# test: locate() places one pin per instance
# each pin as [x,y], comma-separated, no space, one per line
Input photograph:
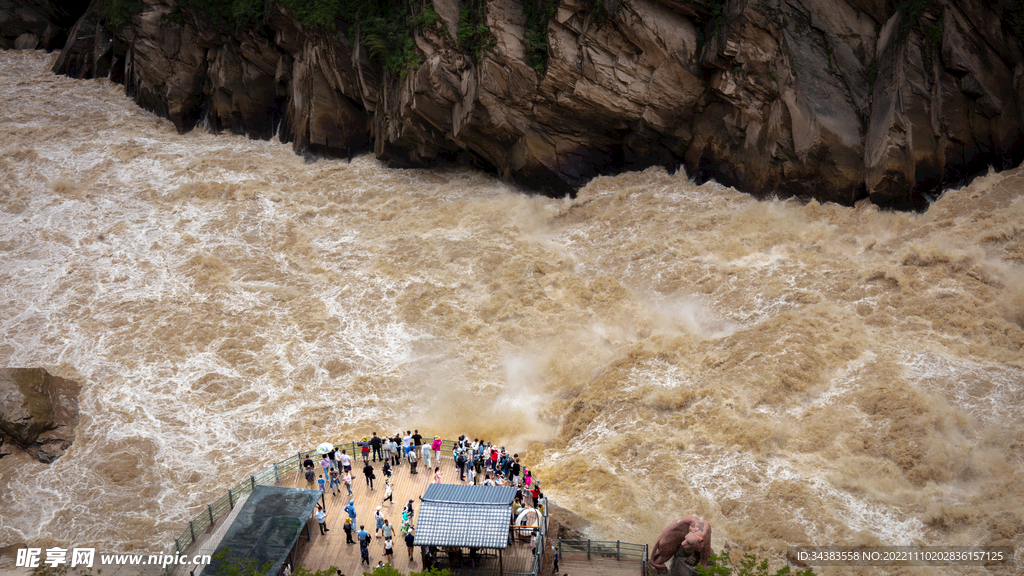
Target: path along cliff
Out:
[831,99]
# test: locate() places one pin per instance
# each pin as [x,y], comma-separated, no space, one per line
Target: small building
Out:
[469,526]
[267,532]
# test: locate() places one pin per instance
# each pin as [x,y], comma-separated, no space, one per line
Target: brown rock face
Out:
[832,99]
[31,24]
[38,412]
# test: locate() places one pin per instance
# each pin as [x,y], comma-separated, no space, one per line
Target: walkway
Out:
[580,566]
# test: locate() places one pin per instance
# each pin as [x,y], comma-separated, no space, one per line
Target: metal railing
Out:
[605,549]
[272,475]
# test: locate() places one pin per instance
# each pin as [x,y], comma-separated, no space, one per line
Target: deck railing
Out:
[272,475]
[604,549]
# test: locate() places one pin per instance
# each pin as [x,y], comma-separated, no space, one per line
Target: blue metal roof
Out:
[465,516]
[469,494]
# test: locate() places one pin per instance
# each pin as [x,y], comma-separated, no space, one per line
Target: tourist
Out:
[368,473]
[460,463]
[363,536]
[426,455]
[386,448]
[516,469]
[413,460]
[335,481]
[387,492]
[351,511]
[388,549]
[386,470]
[320,482]
[364,554]
[308,466]
[410,540]
[406,442]
[325,463]
[348,531]
[348,481]
[388,530]
[396,446]
[471,474]
[321,518]
[364,448]
[408,508]
[375,443]
[437,475]
[380,522]
[436,446]
[417,439]
[346,462]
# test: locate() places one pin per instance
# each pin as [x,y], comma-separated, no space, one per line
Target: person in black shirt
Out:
[375,445]
[368,472]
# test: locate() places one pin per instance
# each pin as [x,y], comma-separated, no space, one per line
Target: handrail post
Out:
[588,548]
[209,508]
[277,478]
[252,480]
[231,500]
[192,531]
[618,553]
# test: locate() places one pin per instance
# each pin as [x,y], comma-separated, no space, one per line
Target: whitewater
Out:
[797,373]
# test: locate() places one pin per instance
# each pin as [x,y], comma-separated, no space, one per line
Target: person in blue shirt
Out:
[363,536]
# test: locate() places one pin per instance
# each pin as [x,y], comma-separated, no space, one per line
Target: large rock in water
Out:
[832,99]
[38,411]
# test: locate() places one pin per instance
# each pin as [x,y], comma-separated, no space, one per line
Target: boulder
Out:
[38,411]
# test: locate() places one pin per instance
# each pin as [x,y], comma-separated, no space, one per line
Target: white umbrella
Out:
[324,448]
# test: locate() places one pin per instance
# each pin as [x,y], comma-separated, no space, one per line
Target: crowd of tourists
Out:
[476,462]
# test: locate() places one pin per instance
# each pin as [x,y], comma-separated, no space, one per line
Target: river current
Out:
[797,373]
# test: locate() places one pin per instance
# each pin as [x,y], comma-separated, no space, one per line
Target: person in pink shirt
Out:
[436,445]
[437,475]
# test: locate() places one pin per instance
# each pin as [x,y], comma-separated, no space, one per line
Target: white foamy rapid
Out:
[797,373]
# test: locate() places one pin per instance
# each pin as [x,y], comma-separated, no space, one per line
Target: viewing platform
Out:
[317,551]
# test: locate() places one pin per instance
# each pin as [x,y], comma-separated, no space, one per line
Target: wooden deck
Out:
[326,550]
[580,566]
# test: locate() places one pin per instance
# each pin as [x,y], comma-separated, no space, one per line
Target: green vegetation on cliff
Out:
[385,28]
[474,35]
[117,13]
[535,36]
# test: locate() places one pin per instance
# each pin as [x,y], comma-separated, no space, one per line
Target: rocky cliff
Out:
[831,99]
